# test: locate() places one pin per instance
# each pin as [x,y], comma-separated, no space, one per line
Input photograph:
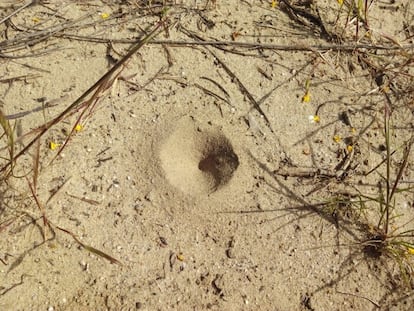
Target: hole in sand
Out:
[196,161]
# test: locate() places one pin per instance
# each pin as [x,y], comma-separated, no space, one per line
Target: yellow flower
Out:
[349,148]
[410,250]
[306,97]
[337,138]
[274,4]
[340,2]
[104,15]
[180,257]
[53,145]
[78,127]
[314,119]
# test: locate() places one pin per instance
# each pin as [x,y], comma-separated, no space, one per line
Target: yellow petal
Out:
[180,257]
[349,148]
[53,145]
[306,97]
[314,119]
[337,138]
[78,127]
[340,2]
[410,250]
[104,15]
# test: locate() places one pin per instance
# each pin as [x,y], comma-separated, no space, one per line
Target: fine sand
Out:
[211,177]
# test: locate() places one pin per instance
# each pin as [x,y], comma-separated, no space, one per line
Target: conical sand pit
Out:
[196,161]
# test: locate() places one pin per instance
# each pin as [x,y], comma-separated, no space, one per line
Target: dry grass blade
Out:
[243,89]
[36,161]
[83,199]
[8,131]
[90,248]
[31,38]
[362,297]
[17,11]
[280,47]
[402,166]
[7,223]
[257,46]
[41,208]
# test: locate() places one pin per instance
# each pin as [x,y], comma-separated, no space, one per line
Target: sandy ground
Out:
[175,172]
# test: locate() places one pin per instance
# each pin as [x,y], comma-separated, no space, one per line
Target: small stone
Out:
[84,265]
[150,196]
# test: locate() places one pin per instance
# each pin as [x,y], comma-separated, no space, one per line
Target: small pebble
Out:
[84,265]
[230,253]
